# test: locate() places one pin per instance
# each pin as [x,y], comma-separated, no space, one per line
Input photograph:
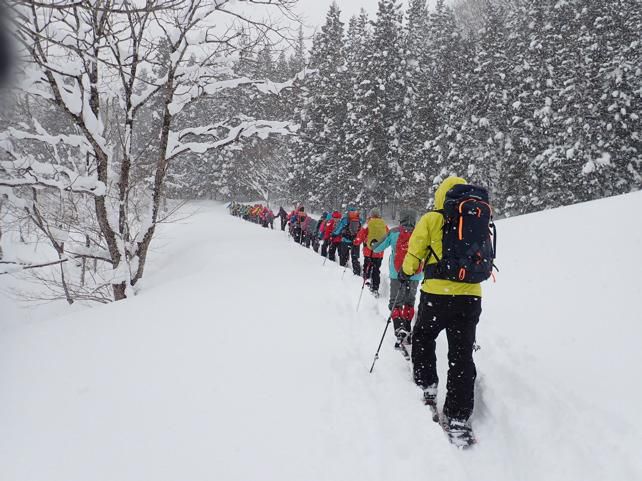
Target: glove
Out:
[374,244]
[403,277]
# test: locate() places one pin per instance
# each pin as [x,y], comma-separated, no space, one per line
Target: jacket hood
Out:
[336,214]
[408,218]
[446,185]
[374,213]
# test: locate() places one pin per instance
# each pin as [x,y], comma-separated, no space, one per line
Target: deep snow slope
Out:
[243,358]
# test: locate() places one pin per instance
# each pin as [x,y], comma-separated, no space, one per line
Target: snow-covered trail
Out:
[245,359]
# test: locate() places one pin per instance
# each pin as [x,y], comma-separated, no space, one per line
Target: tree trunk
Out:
[162,165]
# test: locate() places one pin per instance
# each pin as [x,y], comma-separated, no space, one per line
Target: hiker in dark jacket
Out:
[296,222]
[284,217]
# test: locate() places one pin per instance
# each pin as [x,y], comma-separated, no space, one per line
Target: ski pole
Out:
[366,276]
[361,294]
[385,330]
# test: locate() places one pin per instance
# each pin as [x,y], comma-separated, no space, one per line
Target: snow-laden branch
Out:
[7,267]
[261,128]
[184,95]
[30,173]
[25,171]
[41,135]
[12,267]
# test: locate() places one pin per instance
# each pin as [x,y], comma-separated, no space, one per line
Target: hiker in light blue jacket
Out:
[402,294]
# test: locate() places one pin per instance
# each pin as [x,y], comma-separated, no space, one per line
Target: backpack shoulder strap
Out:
[431,251]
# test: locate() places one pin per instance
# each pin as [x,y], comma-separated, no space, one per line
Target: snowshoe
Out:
[399,346]
[459,432]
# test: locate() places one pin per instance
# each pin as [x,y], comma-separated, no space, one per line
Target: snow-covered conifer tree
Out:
[316,173]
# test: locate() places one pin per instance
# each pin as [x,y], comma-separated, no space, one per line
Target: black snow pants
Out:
[372,271]
[350,250]
[332,251]
[297,234]
[284,221]
[459,316]
[324,248]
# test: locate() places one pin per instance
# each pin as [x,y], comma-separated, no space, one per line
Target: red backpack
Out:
[401,249]
[354,222]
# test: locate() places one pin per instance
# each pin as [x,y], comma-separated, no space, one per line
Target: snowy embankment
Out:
[244,359]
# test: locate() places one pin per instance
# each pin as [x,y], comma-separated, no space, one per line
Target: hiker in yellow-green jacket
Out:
[373,232]
[450,293]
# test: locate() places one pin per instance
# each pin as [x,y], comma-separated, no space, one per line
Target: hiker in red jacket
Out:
[330,242]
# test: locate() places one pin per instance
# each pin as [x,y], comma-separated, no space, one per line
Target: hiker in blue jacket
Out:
[402,294]
[348,228]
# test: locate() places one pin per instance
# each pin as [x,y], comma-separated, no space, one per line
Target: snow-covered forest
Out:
[538,100]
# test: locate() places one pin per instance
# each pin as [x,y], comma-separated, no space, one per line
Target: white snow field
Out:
[244,359]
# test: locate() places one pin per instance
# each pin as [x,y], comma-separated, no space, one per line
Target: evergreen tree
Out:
[415,163]
[358,48]
[450,63]
[317,174]
[486,133]
[297,61]
[282,69]
[381,92]
[607,142]
[265,67]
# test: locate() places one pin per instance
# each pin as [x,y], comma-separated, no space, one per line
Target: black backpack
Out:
[469,241]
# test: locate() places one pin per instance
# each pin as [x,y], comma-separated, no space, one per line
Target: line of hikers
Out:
[257,213]
[449,251]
